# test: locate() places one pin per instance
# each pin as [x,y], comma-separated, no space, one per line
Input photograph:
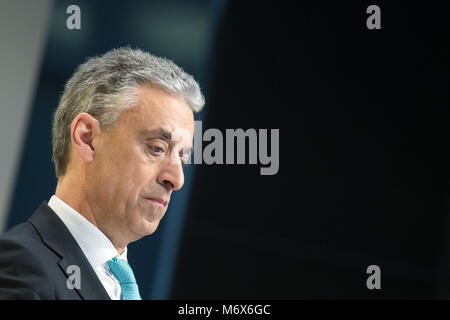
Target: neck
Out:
[69,191]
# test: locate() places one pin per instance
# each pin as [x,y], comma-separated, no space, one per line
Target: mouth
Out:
[158,201]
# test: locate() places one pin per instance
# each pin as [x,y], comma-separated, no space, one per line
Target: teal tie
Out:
[123,272]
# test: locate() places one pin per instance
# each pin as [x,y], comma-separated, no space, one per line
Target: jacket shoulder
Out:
[22,273]
[24,232]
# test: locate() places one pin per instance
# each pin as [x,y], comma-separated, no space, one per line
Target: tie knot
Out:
[121,270]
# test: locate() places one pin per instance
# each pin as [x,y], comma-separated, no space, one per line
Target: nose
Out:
[171,176]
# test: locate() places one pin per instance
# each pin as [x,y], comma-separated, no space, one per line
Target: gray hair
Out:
[103,87]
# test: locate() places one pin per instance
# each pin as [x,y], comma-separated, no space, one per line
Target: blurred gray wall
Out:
[23,30]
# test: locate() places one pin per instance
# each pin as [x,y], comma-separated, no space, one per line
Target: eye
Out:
[156,149]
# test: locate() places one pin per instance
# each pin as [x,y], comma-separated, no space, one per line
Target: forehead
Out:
[156,108]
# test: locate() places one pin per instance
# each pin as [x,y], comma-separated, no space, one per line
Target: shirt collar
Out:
[95,245]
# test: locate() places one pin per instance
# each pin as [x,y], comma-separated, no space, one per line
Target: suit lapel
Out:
[58,238]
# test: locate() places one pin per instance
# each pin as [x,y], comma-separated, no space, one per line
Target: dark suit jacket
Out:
[34,261]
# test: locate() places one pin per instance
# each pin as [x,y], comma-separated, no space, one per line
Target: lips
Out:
[159,201]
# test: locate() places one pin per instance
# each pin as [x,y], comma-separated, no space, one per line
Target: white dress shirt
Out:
[95,245]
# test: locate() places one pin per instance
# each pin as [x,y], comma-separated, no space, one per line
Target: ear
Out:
[84,129]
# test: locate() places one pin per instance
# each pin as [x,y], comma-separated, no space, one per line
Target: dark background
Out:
[364,156]
[363,173]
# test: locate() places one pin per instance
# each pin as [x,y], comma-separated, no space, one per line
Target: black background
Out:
[364,159]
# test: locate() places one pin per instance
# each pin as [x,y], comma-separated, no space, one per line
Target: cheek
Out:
[116,172]
[140,177]
[127,172]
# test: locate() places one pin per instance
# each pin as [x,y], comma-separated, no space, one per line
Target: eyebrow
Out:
[158,132]
[162,133]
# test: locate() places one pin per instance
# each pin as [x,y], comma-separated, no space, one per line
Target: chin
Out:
[142,231]
[149,227]
[146,223]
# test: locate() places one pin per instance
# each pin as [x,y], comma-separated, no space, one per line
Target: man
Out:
[121,134]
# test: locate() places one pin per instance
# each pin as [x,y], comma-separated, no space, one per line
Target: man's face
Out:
[137,165]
